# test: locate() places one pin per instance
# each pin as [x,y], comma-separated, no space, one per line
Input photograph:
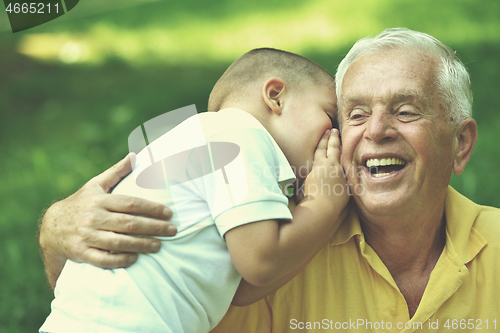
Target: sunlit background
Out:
[73,89]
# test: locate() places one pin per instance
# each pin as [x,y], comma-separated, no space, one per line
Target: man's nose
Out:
[380,127]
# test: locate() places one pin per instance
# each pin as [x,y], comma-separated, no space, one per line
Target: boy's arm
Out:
[267,251]
[248,293]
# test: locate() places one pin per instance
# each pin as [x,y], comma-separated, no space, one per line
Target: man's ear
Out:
[466,137]
[273,92]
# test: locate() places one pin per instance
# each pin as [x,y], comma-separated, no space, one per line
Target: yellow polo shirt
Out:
[347,288]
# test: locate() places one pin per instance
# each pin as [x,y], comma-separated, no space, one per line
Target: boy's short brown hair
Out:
[258,65]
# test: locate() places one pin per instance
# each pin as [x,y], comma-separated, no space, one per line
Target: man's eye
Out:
[357,115]
[408,115]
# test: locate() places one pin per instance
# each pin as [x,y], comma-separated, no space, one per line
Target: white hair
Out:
[452,79]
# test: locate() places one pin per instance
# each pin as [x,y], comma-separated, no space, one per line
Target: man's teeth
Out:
[377,175]
[375,162]
[377,167]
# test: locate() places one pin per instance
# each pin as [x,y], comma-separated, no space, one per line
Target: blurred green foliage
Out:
[64,120]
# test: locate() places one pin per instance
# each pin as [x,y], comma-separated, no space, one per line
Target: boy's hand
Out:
[326,179]
[270,253]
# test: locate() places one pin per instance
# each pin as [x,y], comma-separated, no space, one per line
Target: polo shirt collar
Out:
[462,238]
[349,227]
[460,212]
[463,243]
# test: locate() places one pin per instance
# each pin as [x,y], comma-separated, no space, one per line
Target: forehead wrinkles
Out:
[400,97]
[391,75]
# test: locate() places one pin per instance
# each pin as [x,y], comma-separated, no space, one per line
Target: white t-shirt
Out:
[222,170]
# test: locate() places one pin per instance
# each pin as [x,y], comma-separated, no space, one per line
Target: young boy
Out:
[274,117]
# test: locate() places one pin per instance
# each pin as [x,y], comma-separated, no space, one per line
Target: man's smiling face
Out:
[397,141]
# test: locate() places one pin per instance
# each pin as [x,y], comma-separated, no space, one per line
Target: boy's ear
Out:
[466,137]
[273,92]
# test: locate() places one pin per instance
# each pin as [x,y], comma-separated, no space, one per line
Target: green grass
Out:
[62,123]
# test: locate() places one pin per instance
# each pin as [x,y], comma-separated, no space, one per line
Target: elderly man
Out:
[412,254]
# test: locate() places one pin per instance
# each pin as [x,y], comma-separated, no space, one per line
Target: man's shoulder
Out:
[488,223]
[488,212]
[463,214]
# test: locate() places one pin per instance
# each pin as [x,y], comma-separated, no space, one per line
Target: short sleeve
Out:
[250,186]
